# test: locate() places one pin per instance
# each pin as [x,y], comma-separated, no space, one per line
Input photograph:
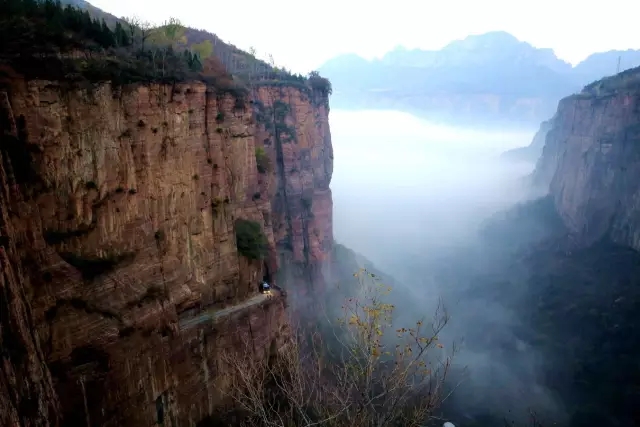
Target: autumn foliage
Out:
[363,371]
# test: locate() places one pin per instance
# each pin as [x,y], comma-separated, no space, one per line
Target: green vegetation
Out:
[274,120]
[48,40]
[263,161]
[628,80]
[320,84]
[256,72]
[251,241]
[307,202]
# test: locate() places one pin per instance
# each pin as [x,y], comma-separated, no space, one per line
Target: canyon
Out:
[122,282]
[138,219]
[570,260]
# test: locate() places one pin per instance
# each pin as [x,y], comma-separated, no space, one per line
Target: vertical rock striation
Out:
[121,280]
[591,161]
[293,127]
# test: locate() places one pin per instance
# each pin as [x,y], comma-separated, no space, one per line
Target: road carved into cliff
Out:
[213,315]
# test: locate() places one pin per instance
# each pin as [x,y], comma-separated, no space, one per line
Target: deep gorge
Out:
[144,197]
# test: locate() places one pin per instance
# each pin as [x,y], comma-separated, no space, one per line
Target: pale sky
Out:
[301,35]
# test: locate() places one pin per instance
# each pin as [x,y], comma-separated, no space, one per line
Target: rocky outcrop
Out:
[530,153]
[119,257]
[591,161]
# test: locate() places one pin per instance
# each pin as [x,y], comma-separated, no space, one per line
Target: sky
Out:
[302,35]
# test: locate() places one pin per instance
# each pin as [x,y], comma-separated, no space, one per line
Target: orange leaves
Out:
[367,315]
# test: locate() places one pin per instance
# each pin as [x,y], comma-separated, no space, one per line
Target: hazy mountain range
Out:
[483,78]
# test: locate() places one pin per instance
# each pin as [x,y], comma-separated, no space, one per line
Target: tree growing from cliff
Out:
[263,162]
[366,372]
[250,240]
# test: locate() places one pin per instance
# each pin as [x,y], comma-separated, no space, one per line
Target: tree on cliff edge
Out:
[365,372]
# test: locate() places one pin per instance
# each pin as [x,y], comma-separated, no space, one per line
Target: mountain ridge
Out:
[492,77]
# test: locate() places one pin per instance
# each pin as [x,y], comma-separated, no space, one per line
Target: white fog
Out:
[398,178]
[407,193]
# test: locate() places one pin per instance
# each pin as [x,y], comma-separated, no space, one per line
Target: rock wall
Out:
[27,396]
[591,161]
[118,245]
[293,128]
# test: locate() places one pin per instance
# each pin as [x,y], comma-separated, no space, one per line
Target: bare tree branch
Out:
[362,377]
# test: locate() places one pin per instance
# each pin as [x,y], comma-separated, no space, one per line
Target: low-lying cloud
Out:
[408,195]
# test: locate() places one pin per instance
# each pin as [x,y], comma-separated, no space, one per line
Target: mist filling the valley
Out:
[412,196]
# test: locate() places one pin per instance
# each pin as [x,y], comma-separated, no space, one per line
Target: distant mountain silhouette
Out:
[488,77]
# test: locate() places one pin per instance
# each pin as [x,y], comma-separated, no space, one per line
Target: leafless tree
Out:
[139,29]
[357,376]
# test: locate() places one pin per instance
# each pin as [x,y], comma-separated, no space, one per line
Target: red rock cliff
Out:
[293,127]
[118,246]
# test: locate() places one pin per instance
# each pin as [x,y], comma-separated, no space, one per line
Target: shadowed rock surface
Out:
[119,207]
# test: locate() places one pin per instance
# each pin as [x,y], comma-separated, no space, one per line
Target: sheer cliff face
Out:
[293,128]
[118,245]
[592,160]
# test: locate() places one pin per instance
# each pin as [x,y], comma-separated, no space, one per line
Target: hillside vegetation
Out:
[47,39]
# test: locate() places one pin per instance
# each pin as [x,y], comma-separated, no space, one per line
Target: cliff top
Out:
[626,81]
[49,40]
